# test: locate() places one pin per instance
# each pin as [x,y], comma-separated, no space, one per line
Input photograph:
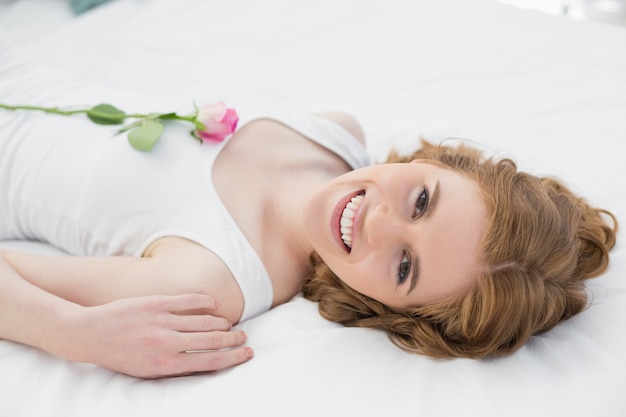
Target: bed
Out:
[548,91]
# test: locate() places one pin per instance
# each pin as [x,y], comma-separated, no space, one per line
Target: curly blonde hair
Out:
[541,243]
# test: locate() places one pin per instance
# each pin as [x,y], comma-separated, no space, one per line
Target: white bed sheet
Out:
[548,91]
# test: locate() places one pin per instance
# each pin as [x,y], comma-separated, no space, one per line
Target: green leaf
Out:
[105,114]
[145,136]
[168,116]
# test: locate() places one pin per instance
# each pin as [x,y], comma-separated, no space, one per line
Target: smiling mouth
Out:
[346,221]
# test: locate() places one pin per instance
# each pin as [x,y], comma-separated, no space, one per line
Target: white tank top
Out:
[68,182]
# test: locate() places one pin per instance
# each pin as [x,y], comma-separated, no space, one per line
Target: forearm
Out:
[143,336]
[32,316]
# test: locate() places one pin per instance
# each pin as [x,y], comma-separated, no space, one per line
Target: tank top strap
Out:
[325,133]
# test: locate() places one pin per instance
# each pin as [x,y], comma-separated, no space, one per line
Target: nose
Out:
[383,226]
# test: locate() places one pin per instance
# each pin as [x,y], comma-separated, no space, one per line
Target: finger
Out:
[200,323]
[213,361]
[212,340]
[187,302]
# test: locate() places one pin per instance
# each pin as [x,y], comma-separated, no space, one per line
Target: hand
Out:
[151,337]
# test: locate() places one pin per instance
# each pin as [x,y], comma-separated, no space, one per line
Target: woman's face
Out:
[411,233]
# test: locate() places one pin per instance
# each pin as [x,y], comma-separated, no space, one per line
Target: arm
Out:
[28,314]
[170,266]
[146,336]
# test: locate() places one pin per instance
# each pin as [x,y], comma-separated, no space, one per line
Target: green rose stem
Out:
[142,134]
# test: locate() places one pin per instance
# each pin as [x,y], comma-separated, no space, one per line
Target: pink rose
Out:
[217,122]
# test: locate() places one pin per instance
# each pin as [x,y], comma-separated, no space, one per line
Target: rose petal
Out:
[218,120]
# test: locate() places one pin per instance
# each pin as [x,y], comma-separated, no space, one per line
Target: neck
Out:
[289,209]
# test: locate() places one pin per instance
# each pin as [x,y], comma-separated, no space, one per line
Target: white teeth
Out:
[347,212]
[347,221]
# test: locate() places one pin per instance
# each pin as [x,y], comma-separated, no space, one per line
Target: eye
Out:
[421,202]
[404,268]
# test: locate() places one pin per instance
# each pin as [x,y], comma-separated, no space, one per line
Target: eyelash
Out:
[403,268]
[422,198]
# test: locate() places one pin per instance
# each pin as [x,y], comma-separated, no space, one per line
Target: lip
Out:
[335,219]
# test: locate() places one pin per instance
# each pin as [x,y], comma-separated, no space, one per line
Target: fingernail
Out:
[249,353]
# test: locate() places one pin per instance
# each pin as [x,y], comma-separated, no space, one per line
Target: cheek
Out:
[365,276]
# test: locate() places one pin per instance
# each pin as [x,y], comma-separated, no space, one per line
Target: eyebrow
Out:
[432,204]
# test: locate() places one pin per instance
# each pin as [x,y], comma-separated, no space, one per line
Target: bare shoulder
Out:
[186,260]
[269,128]
[191,268]
[348,122]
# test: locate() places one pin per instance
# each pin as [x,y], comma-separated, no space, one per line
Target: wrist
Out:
[64,336]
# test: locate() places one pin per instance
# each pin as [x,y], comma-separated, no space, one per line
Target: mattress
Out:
[549,92]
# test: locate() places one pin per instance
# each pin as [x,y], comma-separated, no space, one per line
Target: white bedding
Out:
[548,91]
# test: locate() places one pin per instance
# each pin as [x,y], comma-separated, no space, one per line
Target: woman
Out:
[451,254]
[539,244]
